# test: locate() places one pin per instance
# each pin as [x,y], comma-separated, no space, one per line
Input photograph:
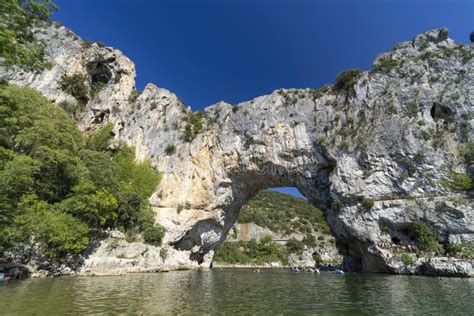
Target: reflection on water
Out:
[238,291]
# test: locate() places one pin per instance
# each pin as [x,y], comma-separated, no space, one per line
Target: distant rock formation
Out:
[376,151]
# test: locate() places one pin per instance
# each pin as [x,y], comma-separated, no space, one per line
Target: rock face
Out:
[375,153]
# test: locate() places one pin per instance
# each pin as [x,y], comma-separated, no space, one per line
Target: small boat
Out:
[316,271]
[338,272]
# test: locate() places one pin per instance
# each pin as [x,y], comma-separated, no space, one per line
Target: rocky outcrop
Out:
[116,255]
[448,267]
[375,152]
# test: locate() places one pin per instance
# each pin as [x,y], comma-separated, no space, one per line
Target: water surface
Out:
[234,291]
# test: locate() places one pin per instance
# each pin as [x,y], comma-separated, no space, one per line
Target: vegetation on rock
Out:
[283,213]
[368,203]
[408,259]
[194,126]
[465,250]
[252,252]
[385,64]
[426,238]
[17,44]
[76,86]
[458,182]
[346,80]
[58,189]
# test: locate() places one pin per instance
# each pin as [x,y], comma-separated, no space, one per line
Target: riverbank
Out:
[273,265]
[113,266]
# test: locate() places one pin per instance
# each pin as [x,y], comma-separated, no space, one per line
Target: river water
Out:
[239,291]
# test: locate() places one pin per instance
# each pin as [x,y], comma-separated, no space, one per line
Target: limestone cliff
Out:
[376,151]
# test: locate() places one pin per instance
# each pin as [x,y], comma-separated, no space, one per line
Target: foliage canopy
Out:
[59,189]
[17,44]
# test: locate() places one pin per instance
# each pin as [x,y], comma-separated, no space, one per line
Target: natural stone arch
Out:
[309,176]
[359,155]
[390,137]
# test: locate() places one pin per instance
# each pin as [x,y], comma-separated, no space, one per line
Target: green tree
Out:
[55,193]
[57,234]
[95,207]
[101,169]
[17,43]
[100,140]
[154,235]
[135,177]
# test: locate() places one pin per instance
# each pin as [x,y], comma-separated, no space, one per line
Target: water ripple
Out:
[238,292]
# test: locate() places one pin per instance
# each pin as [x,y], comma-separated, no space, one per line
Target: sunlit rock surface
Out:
[392,137]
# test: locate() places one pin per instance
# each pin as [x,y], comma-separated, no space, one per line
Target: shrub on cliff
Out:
[346,80]
[458,182]
[295,246]
[246,252]
[76,86]
[468,152]
[99,141]
[368,203]
[133,96]
[194,125]
[135,176]
[153,235]
[170,149]
[310,241]
[426,238]
[408,259]
[386,64]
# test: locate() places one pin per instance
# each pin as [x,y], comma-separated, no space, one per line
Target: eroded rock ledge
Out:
[375,153]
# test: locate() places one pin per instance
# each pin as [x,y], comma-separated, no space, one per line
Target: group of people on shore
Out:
[305,269]
[316,269]
[4,277]
[310,269]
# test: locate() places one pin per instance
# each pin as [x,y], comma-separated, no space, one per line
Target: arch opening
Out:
[279,226]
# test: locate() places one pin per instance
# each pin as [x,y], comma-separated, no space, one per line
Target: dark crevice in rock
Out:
[100,116]
[439,112]
[193,238]
[99,71]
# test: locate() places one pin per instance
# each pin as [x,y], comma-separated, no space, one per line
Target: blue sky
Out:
[206,51]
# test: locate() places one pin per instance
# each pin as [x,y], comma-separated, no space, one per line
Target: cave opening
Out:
[442,112]
[99,71]
[279,226]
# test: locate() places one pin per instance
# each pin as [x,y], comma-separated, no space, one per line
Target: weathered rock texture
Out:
[392,136]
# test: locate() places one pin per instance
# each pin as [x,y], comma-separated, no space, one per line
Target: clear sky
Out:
[207,51]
